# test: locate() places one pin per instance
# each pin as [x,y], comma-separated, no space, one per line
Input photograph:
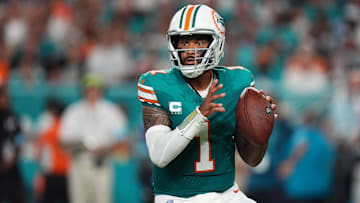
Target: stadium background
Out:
[305,53]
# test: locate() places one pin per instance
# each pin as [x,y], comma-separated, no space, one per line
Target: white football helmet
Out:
[197,20]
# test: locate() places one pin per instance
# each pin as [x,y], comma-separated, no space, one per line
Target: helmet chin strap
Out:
[192,74]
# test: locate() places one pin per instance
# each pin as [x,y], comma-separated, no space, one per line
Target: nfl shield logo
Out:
[170,201]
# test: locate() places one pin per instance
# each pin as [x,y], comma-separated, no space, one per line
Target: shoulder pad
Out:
[244,73]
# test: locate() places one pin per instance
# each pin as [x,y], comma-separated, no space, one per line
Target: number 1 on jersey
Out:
[205,163]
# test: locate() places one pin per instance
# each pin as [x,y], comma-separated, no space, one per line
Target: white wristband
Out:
[191,124]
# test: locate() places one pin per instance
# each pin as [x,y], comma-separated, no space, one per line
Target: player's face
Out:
[192,42]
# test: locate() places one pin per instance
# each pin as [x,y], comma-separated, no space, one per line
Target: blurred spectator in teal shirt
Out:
[264,184]
[309,169]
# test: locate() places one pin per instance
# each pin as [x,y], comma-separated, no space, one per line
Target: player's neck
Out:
[201,82]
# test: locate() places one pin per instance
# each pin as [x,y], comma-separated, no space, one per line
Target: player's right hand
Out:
[209,107]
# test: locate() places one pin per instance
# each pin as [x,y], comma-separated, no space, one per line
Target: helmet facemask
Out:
[195,20]
[204,61]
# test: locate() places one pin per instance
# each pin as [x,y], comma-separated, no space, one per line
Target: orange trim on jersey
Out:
[148,100]
[213,16]
[147,91]
[188,16]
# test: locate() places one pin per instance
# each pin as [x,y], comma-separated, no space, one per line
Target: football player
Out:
[189,114]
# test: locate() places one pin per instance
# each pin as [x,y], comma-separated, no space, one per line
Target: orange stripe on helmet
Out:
[188,16]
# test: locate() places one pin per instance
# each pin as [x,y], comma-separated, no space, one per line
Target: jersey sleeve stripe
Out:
[149,101]
[147,95]
[147,91]
[145,87]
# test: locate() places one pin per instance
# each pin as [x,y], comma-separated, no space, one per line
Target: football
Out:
[254,117]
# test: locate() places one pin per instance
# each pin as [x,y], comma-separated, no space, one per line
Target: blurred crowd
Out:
[302,52]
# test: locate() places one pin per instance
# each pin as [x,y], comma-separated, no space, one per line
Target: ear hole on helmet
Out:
[221,45]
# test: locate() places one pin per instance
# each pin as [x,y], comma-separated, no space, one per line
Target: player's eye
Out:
[185,43]
[199,43]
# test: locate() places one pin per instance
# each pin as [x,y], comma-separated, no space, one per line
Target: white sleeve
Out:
[164,144]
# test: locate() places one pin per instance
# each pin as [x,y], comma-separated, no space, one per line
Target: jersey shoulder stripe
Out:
[146,94]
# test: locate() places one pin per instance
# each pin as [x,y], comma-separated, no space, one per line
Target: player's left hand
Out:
[271,100]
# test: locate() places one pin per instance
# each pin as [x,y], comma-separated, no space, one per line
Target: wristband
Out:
[192,124]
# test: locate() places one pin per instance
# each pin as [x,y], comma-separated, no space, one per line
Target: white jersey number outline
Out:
[204,163]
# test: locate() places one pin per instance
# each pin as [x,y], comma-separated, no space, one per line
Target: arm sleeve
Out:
[164,144]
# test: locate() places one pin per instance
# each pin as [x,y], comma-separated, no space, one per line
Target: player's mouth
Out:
[191,61]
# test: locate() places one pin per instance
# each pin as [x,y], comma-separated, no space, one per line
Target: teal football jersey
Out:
[207,164]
